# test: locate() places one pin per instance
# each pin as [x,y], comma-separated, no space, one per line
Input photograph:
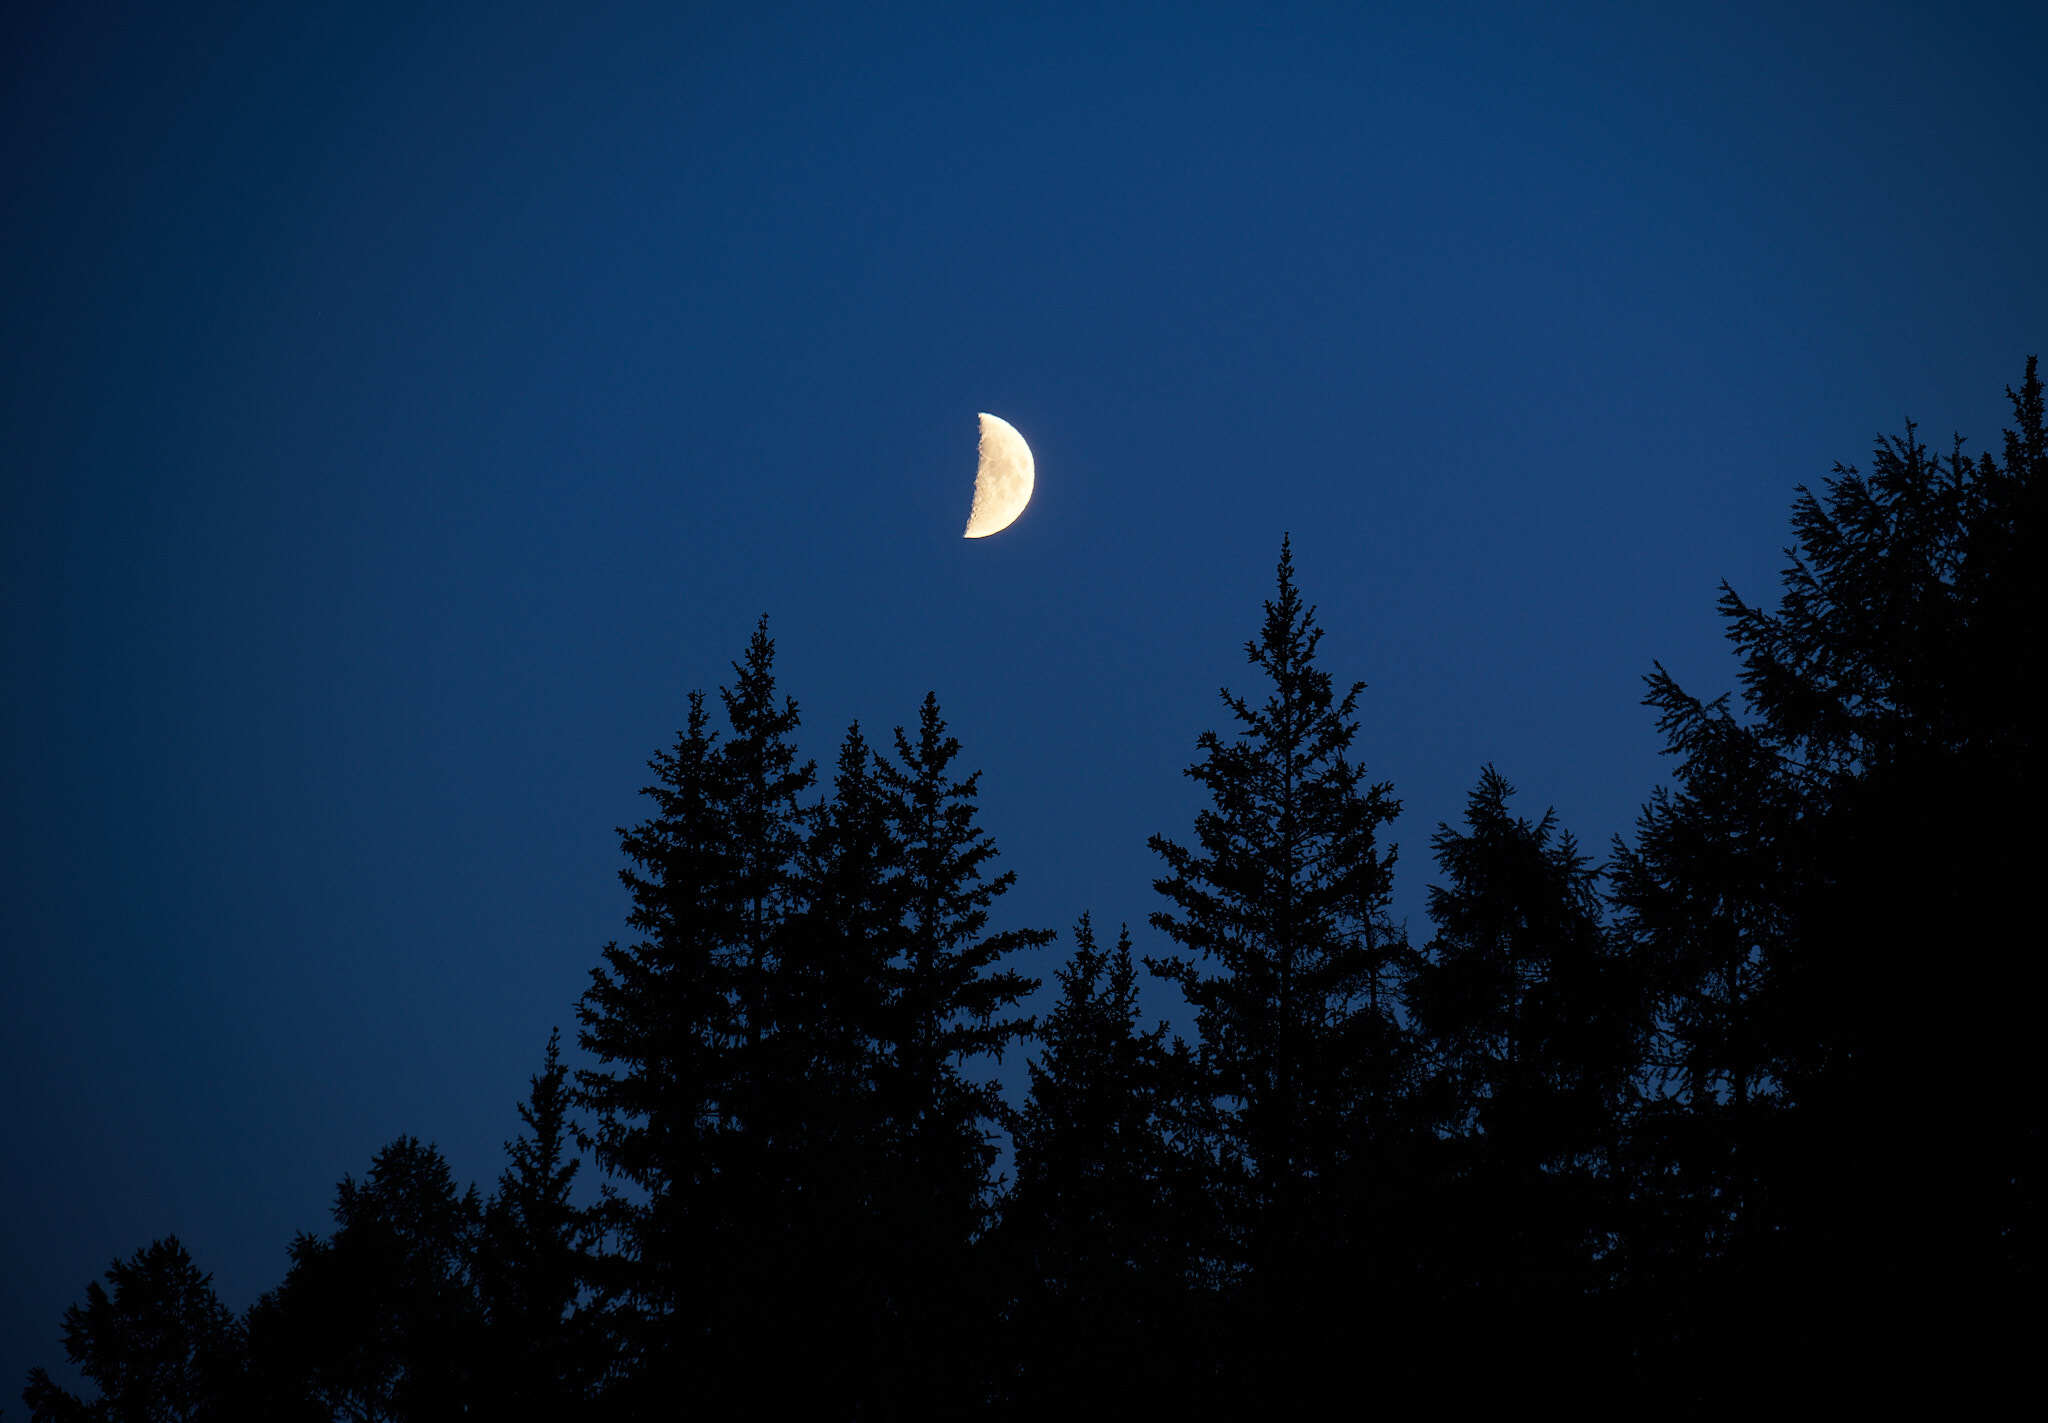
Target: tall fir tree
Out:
[830,1002]
[685,1100]
[765,823]
[533,1264]
[951,1006]
[836,971]
[1293,974]
[657,1019]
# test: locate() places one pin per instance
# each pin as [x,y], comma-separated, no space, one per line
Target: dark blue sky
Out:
[402,412]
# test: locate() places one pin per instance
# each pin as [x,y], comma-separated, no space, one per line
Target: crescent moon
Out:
[1002,485]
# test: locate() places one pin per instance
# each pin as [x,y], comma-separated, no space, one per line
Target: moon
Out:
[1002,485]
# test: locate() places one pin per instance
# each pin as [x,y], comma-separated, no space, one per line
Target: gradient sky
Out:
[402,411]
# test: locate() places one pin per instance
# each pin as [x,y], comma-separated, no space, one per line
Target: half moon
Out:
[1002,485]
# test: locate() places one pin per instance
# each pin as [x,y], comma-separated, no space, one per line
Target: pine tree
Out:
[686,1103]
[765,824]
[532,1263]
[836,971]
[1088,1145]
[1530,1023]
[1282,903]
[1285,894]
[830,1003]
[1092,1230]
[1829,894]
[951,1004]
[161,1348]
[657,1016]
[951,1001]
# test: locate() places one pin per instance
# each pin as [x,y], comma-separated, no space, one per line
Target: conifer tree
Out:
[687,1099]
[1094,1236]
[830,1003]
[658,1019]
[836,970]
[381,1319]
[765,825]
[951,1005]
[1529,1021]
[1827,895]
[952,1000]
[161,1348]
[532,1263]
[1282,902]
[1293,974]
[1088,1148]
[1527,1012]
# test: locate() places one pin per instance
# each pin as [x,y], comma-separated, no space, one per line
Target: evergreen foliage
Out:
[1095,1219]
[380,1320]
[161,1348]
[681,1023]
[951,1002]
[1531,1023]
[533,1263]
[1797,894]
[1293,971]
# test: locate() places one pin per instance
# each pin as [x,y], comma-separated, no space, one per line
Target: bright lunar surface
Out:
[1002,486]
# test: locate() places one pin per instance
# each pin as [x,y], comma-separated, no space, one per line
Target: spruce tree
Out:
[1284,896]
[686,1101]
[532,1263]
[951,1006]
[1293,971]
[830,1004]
[1094,1238]
[1089,1153]
[657,1018]
[834,984]
[765,825]
[952,1001]
[1529,1022]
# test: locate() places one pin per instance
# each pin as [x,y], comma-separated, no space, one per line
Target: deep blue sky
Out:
[402,412]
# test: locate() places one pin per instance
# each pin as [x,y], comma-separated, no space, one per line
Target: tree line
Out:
[1745,1112]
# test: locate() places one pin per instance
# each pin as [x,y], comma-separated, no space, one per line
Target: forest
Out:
[1741,1114]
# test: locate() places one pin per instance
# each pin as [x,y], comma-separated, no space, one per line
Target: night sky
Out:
[402,412]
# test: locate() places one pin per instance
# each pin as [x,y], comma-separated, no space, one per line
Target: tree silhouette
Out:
[1874,804]
[835,976]
[657,1018]
[1531,1024]
[1097,1223]
[532,1264]
[950,1004]
[830,1000]
[1285,897]
[160,1348]
[381,1319]
[682,1022]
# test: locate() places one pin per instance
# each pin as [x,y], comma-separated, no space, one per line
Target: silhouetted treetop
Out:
[160,1347]
[1293,975]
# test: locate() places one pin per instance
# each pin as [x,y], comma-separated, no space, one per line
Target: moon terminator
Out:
[1003,482]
